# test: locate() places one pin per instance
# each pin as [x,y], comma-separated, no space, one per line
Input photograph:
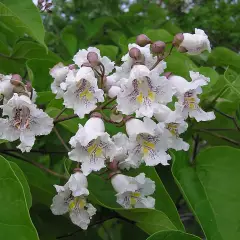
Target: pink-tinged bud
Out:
[182,49]
[96,115]
[29,86]
[158,47]
[72,66]
[77,170]
[92,57]
[177,40]
[167,74]
[142,40]
[113,166]
[16,77]
[135,53]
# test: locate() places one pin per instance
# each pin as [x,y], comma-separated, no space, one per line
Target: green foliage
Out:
[32,42]
[15,200]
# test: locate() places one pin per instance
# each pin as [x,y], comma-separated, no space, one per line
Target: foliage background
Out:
[201,186]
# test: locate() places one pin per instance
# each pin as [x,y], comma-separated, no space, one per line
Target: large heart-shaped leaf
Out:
[14,215]
[210,188]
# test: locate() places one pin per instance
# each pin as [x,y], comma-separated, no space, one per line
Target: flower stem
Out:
[36,164]
[60,114]
[61,139]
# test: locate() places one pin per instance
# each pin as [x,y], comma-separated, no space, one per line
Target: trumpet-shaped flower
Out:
[143,92]
[133,192]
[92,146]
[146,143]
[187,93]
[82,92]
[196,43]
[25,121]
[72,198]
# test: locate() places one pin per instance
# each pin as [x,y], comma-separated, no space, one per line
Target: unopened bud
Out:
[77,170]
[158,47]
[29,86]
[182,49]
[135,53]
[92,57]
[71,66]
[142,40]
[16,77]
[113,165]
[167,74]
[96,115]
[177,40]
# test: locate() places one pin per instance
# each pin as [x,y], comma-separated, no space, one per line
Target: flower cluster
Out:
[154,107]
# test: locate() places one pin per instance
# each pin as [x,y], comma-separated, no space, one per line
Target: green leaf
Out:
[180,64]
[108,50]
[41,184]
[224,57]
[23,17]
[210,190]
[70,41]
[23,180]
[159,35]
[38,71]
[14,215]
[172,235]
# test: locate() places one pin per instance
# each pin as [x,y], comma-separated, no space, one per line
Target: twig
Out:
[36,164]
[36,151]
[60,114]
[61,139]
[229,117]
[220,136]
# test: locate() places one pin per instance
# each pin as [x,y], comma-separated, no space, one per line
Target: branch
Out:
[60,114]
[220,136]
[36,164]
[61,139]
[229,117]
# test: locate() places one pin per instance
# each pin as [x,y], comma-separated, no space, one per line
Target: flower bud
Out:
[158,47]
[178,39]
[29,86]
[71,66]
[142,40]
[135,53]
[16,78]
[92,57]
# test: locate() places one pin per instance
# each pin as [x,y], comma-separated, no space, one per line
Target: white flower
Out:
[124,70]
[121,142]
[6,88]
[81,57]
[174,125]
[146,143]
[72,198]
[114,91]
[187,96]
[92,146]
[143,92]
[59,73]
[196,43]
[133,192]
[82,92]
[25,121]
